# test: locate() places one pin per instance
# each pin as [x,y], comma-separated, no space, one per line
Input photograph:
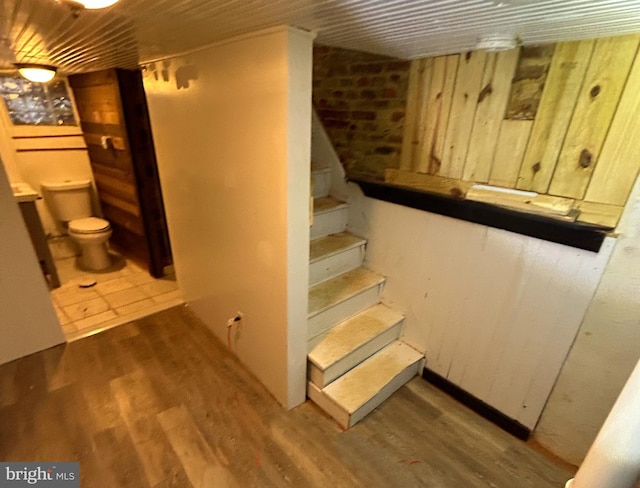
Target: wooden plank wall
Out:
[556,120]
[99,105]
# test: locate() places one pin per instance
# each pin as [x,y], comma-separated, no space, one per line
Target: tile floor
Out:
[123,293]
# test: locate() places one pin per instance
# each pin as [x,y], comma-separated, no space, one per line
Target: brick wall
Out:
[360,98]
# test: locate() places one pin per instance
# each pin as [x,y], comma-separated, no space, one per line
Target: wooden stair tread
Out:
[327,204]
[333,244]
[356,387]
[340,288]
[358,392]
[352,334]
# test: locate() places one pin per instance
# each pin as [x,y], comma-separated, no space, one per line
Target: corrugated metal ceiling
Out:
[136,31]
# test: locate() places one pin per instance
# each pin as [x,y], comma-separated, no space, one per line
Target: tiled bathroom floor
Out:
[124,293]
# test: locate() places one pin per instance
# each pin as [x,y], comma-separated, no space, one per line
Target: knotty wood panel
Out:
[446,100]
[419,81]
[437,108]
[463,107]
[575,92]
[597,102]
[492,104]
[512,142]
[566,76]
[619,161]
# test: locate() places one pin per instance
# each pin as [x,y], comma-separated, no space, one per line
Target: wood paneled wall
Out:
[558,120]
[99,105]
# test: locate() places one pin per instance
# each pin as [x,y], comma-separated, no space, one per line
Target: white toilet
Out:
[70,202]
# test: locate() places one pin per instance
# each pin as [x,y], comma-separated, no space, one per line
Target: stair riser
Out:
[321,323]
[323,378]
[331,266]
[328,223]
[321,183]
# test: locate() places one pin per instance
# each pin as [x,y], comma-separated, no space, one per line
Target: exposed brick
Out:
[334,114]
[389,93]
[369,126]
[398,66]
[385,150]
[361,99]
[343,124]
[363,69]
[362,115]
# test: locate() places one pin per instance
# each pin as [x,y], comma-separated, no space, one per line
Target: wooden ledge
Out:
[575,234]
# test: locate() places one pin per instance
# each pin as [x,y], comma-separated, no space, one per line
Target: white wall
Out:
[494,312]
[605,351]
[232,133]
[28,322]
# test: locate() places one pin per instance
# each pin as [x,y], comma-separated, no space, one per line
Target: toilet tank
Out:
[68,200]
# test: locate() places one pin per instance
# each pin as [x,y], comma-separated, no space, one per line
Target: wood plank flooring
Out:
[161,403]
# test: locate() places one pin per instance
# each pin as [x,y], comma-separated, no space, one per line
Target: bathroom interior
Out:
[79,157]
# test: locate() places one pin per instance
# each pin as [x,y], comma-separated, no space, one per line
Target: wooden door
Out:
[115,124]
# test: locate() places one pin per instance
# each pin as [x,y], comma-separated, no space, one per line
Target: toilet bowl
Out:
[91,234]
[70,203]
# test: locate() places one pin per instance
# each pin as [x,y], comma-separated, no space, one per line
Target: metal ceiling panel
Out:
[137,31]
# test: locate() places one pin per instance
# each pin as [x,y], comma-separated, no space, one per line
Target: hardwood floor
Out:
[161,403]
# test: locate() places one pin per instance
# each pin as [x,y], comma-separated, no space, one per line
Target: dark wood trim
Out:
[143,160]
[506,423]
[579,235]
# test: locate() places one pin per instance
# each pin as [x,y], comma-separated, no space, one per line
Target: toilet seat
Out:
[89,225]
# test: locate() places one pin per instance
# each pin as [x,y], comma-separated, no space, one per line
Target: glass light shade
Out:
[94,4]
[37,73]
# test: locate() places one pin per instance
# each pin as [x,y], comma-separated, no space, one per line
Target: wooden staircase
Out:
[355,360]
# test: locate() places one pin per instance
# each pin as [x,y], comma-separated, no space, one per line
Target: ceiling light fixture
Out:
[95,4]
[497,43]
[38,73]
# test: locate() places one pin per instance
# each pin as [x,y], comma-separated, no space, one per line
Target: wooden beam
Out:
[597,102]
[430,183]
[524,202]
[599,213]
